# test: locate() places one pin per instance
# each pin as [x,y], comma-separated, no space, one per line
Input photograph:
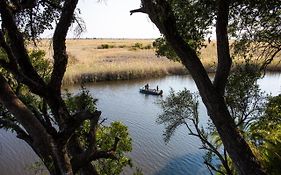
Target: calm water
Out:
[121,101]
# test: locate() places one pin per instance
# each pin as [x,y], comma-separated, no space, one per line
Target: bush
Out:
[105,46]
[138,45]
[147,47]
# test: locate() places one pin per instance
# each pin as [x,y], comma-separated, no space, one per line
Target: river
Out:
[120,100]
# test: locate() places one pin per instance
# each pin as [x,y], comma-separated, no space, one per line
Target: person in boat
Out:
[146,87]
[157,88]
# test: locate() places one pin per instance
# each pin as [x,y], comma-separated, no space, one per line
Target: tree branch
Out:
[18,46]
[140,10]
[224,59]
[21,134]
[52,4]
[21,5]
[7,49]
[268,61]
[12,66]
[25,117]
[75,122]
[162,15]
[83,159]
[60,55]
[47,118]
[213,168]
[42,142]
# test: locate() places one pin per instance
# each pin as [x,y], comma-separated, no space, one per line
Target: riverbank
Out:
[93,60]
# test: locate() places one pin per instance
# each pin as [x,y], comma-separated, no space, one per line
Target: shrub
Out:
[105,46]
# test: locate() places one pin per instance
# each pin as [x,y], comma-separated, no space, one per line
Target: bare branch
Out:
[213,168]
[140,10]
[268,61]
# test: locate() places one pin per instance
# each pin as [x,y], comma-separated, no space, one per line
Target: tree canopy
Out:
[179,21]
[64,131]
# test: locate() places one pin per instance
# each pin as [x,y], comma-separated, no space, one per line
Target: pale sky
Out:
[111,19]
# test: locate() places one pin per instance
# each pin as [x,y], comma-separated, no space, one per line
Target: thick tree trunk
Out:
[161,14]
[41,141]
[49,143]
[234,143]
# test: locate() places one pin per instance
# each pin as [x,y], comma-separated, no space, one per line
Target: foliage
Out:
[272,117]
[194,21]
[255,25]
[243,96]
[62,132]
[148,46]
[245,100]
[105,46]
[175,24]
[266,135]
[181,108]
[37,168]
[269,148]
[178,108]
[35,21]
[43,68]
[106,136]
[41,64]
[81,101]
[164,49]
[137,45]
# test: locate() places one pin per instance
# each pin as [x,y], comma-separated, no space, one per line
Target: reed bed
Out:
[119,64]
[106,59]
[92,60]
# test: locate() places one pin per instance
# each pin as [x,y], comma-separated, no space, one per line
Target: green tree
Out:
[181,109]
[184,25]
[266,135]
[64,132]
[245,101]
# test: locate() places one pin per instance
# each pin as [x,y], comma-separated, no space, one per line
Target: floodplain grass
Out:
[113,59]
[92,60]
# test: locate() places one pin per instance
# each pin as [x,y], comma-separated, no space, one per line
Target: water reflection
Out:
[184,165]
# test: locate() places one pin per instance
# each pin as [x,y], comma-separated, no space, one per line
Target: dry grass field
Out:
[112,59]
[93,60]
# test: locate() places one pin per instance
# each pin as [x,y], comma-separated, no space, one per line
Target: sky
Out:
[111,19]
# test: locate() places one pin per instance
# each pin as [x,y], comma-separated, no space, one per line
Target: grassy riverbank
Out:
[93,60]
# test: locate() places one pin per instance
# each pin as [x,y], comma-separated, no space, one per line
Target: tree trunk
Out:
[224,59]
[161,14]
[54,155]
[234,143]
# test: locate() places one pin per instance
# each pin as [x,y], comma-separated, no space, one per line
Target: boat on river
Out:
[151,91]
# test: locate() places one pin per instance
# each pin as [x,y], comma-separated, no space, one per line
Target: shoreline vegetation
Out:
[94,60]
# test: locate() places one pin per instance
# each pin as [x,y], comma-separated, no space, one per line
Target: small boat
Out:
[151,91]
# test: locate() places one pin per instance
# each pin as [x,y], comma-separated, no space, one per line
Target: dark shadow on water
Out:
[189,164]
